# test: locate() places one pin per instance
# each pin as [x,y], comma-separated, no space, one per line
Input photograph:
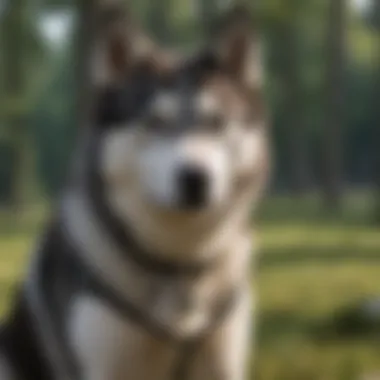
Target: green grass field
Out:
[310,266]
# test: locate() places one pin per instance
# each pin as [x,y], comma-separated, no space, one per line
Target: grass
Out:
[310,266]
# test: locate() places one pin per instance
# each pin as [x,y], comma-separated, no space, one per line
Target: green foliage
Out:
[54,128]
[6,166]
[294,37]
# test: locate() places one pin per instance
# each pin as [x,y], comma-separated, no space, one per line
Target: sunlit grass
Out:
[320,237]
[314,290]
[300,359]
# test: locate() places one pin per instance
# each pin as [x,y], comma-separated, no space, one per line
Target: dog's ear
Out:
[117,36]
[238,45]
[122,46]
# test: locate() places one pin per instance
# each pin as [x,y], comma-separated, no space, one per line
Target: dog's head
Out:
[183,135]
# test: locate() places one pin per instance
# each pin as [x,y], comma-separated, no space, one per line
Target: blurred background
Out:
[319,228]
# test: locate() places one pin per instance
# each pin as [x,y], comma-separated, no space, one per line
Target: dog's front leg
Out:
[224,356]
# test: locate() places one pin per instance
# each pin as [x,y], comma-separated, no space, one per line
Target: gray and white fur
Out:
[153,229]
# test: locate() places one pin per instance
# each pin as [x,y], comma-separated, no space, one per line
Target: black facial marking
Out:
[111,108]
[119,104]
[213,122]
[201,66]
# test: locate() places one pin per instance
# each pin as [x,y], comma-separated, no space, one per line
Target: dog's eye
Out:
[156,122]
[213,122]
[252,120]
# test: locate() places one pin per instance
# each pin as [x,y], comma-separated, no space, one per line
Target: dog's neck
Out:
[100,252]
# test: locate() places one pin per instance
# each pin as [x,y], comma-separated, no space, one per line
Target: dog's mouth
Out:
[186,209]
[192,209]
[192,206]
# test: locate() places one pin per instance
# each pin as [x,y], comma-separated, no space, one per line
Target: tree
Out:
[80,104]
[293,103]
[18,36]
[83,55]
[376,109]
[158,19]
[207,12]
[64,107]
[334,107]
[286,36]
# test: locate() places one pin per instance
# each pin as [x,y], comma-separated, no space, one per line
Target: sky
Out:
[56,26]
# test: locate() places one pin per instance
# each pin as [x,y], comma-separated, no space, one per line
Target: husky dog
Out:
[144,272]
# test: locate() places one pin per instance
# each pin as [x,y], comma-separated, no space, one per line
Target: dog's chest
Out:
[110,347]
[182,305]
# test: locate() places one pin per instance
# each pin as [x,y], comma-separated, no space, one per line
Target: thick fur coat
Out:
[153,231]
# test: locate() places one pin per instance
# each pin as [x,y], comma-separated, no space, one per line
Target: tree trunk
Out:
[207,11]
[293,111]
[334,108]
[14,88]
[158,20]
[376,110]
[84,55]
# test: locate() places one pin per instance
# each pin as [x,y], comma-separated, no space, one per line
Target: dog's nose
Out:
[193,187]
